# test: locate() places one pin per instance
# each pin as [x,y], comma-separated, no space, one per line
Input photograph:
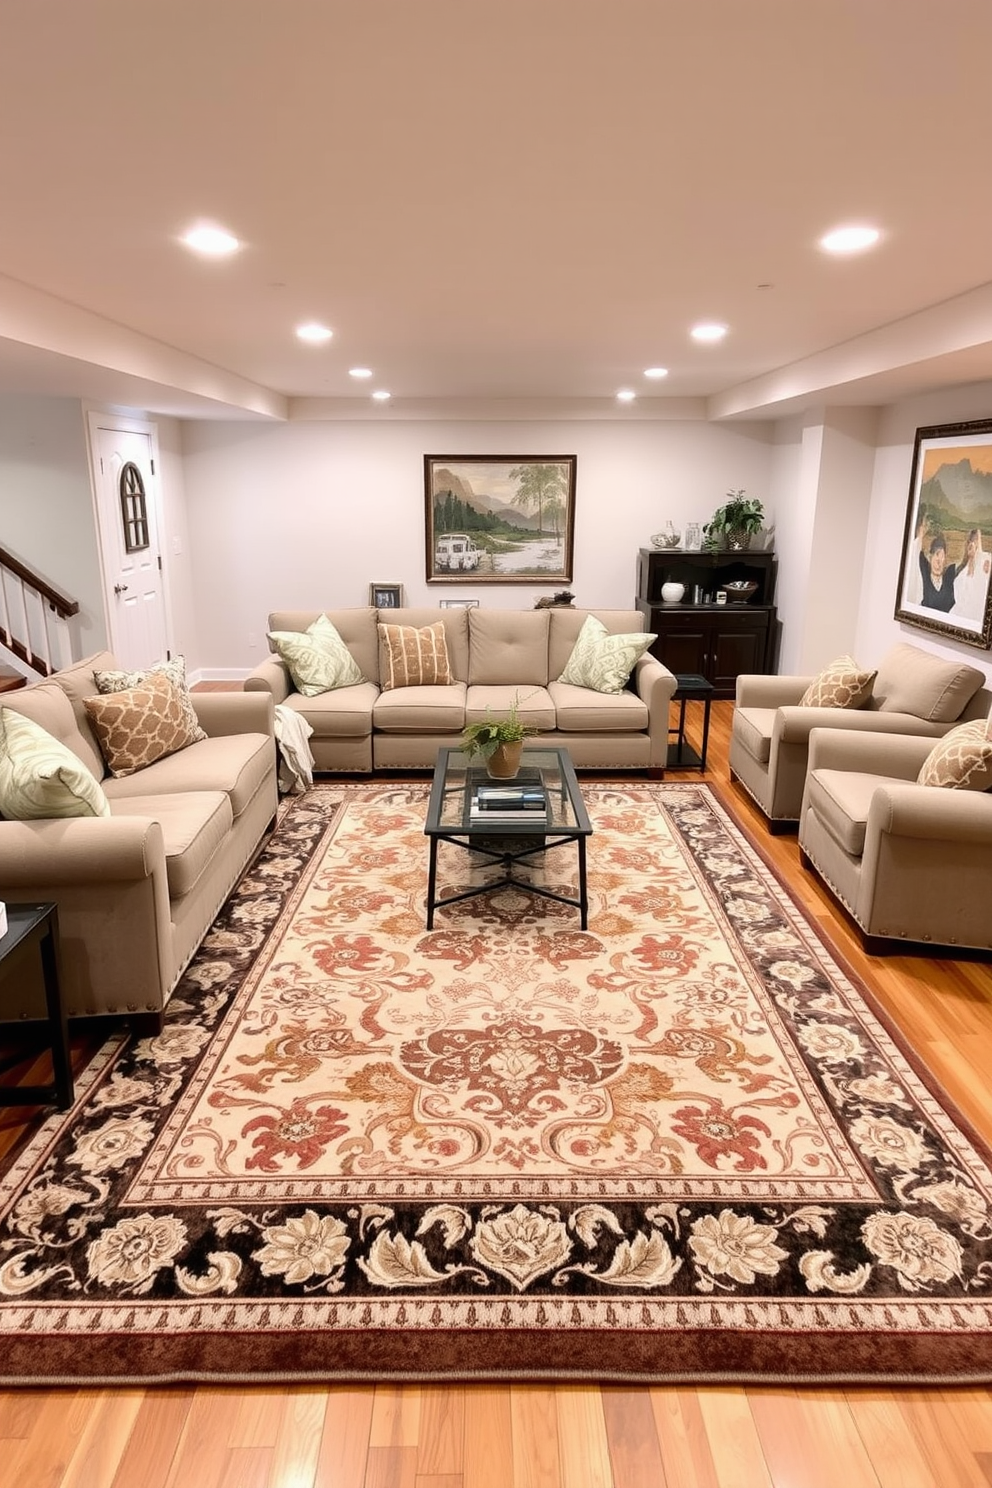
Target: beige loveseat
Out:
[495,655]
[912,863]
[137,890]
[914,692]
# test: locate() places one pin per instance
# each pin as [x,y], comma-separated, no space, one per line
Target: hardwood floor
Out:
[574,1436]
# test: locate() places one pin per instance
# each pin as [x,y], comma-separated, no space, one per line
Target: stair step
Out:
[10,680]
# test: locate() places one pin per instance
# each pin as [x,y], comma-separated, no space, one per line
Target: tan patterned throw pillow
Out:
[962,759]
[843,684]
[409,657]
[174,669]
[139,725]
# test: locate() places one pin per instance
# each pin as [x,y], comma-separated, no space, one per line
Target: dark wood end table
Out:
[33,931]
[695,689]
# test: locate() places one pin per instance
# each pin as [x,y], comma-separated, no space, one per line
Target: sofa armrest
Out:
[757,690]
[654,685]
[270,676]
[235,712]
[52,854]
[794,725]
[899,756]
[931,813]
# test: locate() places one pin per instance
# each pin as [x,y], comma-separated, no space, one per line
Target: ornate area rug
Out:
[681,1146]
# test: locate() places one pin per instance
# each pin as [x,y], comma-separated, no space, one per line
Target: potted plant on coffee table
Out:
[733,524]
[498,741]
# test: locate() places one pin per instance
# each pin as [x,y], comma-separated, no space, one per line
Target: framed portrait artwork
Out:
[499,519]
[947,541]
[386,596]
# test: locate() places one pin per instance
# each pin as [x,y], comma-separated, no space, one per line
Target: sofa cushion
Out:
[603,661]
[578,710]
[962,759]
[564,624]
[139,725]
[194,825]
[842,684]
[412,656]
[508,648]
[534,705]
[78,682]
[841,799]
[345,713]
[40,777]
[913,681]
[421,710]
[753,728]
[356,627]
[318,659]
[237,764]
[174,669]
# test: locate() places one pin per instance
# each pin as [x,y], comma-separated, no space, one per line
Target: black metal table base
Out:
[507,859]
[37,925]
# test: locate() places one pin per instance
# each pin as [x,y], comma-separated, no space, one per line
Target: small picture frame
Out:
[386,596]
[458,604]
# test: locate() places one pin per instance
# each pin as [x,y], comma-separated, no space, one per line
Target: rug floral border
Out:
[639,1290]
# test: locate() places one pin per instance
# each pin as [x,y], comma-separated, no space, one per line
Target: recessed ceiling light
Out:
[360,372]
[214,242]
[708,330]
[381,396]
[314,332]
[849,239]
[626,395]
[655,372]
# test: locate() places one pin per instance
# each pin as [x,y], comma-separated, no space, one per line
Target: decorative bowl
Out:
[739,591]
[667,539]
[672,592]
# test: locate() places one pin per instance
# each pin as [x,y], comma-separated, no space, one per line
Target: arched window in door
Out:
[134,508]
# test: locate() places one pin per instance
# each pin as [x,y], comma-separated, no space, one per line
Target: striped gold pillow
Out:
[409,657]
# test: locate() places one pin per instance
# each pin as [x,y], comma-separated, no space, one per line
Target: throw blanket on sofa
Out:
[295,759]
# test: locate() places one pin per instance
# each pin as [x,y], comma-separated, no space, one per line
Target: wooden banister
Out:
[60,603]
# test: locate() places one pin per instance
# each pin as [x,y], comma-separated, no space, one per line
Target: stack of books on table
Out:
[509,801]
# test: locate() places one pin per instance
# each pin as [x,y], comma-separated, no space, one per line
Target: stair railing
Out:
[34,617]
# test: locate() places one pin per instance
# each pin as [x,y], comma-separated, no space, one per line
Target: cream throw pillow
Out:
[409,657]
[139,725]
[317,658]
[603,661]
[962,759]
[843,684]
[40,777]
[174,669]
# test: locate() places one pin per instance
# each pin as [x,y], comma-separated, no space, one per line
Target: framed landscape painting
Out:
[498,519]
[947,541]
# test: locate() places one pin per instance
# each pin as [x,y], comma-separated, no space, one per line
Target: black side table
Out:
[33,930]
[696,689]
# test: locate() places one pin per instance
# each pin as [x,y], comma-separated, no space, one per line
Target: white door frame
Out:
[96,420]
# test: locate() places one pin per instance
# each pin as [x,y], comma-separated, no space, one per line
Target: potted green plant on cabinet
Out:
[733,524]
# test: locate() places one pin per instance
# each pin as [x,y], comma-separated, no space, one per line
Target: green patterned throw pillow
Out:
[40,777]
[317,658]
[603,661]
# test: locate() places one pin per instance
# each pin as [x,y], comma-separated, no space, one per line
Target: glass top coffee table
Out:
[489,818]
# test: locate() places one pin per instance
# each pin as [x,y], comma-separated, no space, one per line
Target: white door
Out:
[127,512]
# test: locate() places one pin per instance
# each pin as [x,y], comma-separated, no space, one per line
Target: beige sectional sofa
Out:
[495,655]
[914,692]
[137,890]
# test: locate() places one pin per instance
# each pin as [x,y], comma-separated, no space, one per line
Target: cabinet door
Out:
[683,649]
[736,645]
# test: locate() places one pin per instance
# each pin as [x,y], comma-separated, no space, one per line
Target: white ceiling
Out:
[500,205]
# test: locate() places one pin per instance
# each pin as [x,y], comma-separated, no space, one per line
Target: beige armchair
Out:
[914,692]
[910,863]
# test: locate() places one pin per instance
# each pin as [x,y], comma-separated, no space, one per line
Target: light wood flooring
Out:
[575,1436]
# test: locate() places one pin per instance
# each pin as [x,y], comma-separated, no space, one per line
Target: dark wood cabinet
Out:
[697,635]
